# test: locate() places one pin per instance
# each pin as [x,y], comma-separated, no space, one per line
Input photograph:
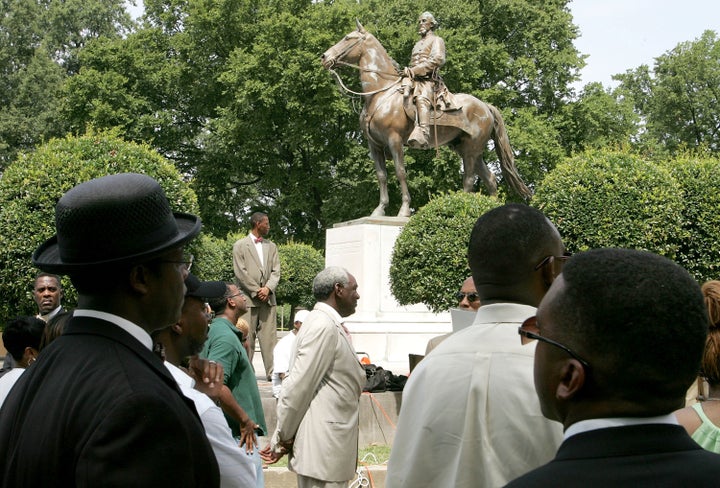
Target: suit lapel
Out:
[250,247]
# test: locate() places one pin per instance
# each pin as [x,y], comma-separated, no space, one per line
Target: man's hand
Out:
[409,73]
[207,374]
[271,456]
[263,294]
[247,435]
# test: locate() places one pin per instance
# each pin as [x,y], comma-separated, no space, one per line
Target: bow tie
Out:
[259,239]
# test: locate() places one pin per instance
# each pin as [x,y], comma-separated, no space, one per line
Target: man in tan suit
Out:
[317,412]
[257,271]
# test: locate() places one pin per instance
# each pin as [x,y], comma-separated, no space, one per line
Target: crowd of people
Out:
[574,371]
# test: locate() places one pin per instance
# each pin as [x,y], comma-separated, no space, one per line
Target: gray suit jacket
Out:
[250,275]
[318,405]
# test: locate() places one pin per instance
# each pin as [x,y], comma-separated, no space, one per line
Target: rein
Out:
[348,90]
[384,74]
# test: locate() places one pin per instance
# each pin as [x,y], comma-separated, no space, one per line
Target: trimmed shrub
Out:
[299,263]
[213,258]
[31,186]
[429,261]
[699,250]
[613,199]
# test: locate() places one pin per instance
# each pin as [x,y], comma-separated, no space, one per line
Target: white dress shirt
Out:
[258,247]
[237,469]
[469,415]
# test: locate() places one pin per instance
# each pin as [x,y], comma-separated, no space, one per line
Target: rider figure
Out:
[427,57]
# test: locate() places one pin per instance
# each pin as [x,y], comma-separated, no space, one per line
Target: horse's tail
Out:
[506,156]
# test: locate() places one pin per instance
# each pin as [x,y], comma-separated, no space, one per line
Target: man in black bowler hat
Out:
[98,408]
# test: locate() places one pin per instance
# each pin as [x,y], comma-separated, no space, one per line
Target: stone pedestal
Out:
[381,328]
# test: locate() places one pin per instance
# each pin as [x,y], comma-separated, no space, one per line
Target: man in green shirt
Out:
[223,346]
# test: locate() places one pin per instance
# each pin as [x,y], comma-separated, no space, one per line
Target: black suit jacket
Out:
[650,455]
[99,409]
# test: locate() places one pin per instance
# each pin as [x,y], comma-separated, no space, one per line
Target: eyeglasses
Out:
[235,295]
[550,259]
[471,297]
[209,313]
[529,331]
[187,260]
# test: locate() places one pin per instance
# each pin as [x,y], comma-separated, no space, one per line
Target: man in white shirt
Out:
[469,414]
[619,339]
[185,339]
[283,351]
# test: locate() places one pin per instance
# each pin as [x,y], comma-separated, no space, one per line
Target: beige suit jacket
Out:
[250,275]
[318,405]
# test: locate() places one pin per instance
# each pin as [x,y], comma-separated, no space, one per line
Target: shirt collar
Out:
[329,310]
[595,424]
[134,330]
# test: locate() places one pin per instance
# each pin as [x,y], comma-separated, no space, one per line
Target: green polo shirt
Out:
[223,346]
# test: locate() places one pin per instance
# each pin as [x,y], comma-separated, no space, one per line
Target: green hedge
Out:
[699,250]
[429,261]
[614,199]
[31,186]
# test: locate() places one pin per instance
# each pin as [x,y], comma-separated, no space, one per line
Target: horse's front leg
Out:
[378,156]
[396,149]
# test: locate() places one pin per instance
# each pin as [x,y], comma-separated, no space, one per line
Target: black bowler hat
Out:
[204,289]
[117,219]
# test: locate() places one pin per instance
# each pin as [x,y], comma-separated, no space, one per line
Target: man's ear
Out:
[138,278]
[572,380]
[548,272]
[177,328]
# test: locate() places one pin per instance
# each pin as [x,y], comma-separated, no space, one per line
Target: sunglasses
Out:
[471,297]
[548,261]
[529,331]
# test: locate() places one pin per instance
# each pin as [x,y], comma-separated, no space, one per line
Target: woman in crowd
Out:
[702,420]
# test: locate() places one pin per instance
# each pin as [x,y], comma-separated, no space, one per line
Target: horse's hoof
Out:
[404,212]
[378,212]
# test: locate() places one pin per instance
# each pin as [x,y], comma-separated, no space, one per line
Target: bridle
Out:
[338,60]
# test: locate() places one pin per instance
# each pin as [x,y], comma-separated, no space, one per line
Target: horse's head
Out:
[348,49]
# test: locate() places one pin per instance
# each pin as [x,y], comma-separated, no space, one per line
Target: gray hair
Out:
[431,17]
[324,282]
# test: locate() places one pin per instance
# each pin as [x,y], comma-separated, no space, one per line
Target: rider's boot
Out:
[420,136]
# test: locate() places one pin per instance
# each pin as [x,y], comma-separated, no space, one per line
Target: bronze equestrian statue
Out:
[389,114]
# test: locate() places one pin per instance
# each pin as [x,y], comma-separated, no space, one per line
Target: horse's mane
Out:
[394,63]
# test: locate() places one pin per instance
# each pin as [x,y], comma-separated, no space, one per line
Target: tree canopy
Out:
[234,94]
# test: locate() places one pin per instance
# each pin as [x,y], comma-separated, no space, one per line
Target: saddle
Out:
[448,118]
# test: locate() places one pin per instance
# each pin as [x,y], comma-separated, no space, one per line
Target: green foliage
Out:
[39,46]
[679,99]
[614,199]
[429,261]
[599,118]
[699,178]
[235,94]
[299,263]
[213,258]
[32,185]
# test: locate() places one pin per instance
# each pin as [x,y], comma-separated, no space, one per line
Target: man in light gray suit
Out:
[257,271]
[317,412]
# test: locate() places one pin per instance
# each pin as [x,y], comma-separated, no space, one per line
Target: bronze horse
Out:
[386,121]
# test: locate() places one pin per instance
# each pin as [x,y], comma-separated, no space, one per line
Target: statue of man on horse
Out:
[388,117]
[423,80]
